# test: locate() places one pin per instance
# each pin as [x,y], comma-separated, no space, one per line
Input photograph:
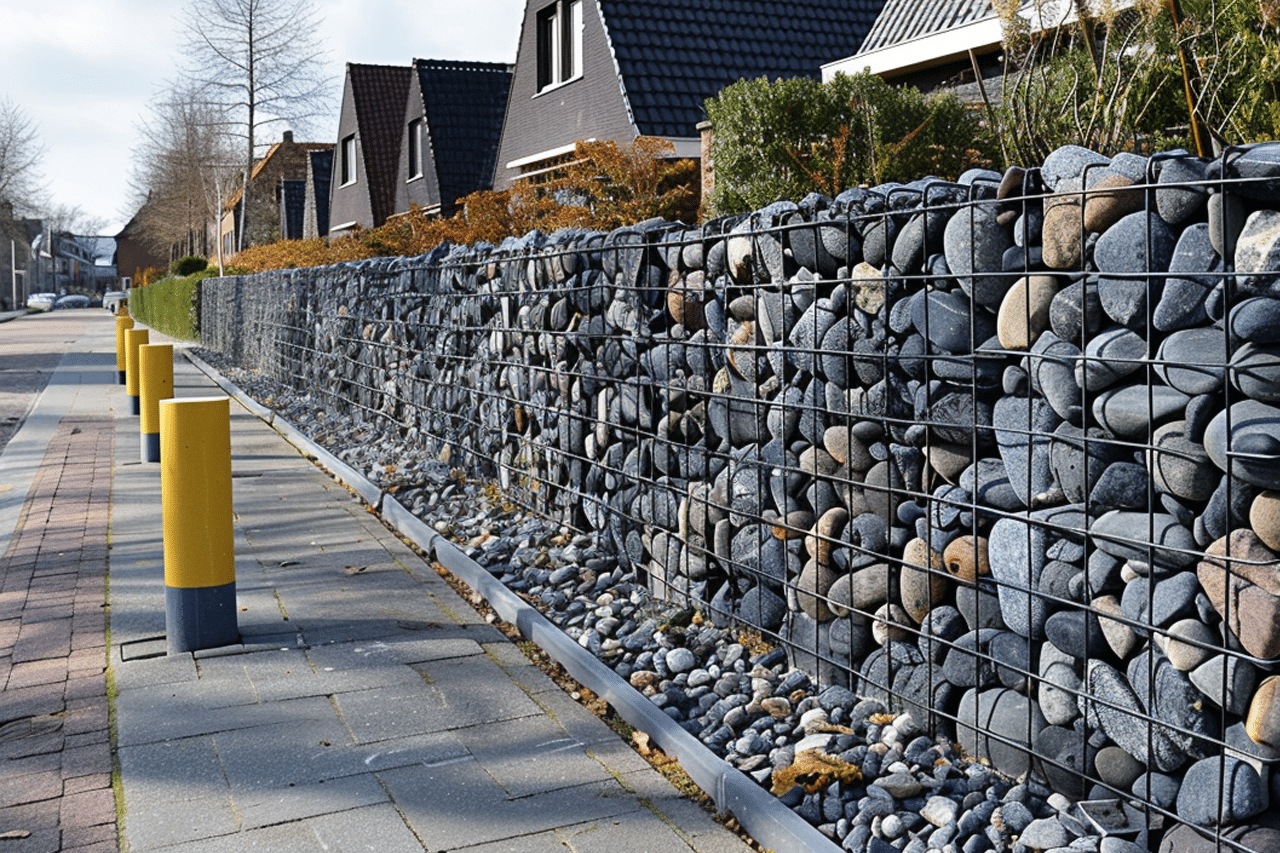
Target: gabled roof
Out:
[674,54]
[464,104]
[379,93]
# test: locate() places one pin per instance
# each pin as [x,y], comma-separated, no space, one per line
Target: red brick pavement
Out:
[55,741]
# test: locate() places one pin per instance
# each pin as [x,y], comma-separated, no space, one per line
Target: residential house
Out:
[363,188]
[285,160]
[452,124]
[134,255]
[620,69]
[16,234]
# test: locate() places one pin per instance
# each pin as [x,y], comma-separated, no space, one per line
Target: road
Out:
[30,348]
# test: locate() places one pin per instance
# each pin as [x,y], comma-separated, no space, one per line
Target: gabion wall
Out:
[1004,451]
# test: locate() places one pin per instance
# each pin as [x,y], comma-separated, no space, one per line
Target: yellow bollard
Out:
[123,323]
[133,338]
[155,383]
[199,551]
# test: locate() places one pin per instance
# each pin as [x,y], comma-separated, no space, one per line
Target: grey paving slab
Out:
[390,716]
[150,718]
[477,692]
[265,807]
[457,805]
[172,771]
[533,758]
[152,825]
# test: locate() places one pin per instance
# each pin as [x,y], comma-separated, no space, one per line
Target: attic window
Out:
[559,43]
[415,149]
[347,164]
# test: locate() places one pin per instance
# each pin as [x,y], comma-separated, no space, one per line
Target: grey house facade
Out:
[362,189]
[452,123]
[620,69]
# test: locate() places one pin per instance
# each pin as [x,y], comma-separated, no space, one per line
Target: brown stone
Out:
[1119,636]
[825,534]
[846,449]
[1109,200]
[1024,311]
[1062,233]
[966,558]
[1263,723]
[1264,518]
[921,581]
[1245,589]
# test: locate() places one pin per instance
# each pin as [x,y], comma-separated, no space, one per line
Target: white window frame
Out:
[559,44]
[347,161]
[415,149]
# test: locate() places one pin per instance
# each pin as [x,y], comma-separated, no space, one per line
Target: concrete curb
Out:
[761,815]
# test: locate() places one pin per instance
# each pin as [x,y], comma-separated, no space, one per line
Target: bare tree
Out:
[21,183]
[183,165]
[257,62]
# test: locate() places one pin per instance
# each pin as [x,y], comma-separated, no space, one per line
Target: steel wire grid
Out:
[686,393]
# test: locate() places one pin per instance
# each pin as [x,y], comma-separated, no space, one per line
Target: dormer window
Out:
[559,43]
[415,149]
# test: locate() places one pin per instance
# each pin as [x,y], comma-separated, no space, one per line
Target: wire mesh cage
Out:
[1003,452]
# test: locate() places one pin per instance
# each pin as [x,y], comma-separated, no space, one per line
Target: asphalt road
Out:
[30,348]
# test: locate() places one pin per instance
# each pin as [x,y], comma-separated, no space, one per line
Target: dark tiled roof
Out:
[321,172]
[674,54]
[903,20]
[464,104]
[380,93]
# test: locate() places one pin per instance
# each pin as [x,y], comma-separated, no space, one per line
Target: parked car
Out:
[112,298]
[42,301]
[71,300]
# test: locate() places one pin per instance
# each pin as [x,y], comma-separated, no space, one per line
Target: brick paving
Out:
[55,740]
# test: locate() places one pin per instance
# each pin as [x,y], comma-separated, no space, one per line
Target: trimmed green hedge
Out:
[171,305]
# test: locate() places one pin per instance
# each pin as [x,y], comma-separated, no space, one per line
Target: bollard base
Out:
[150,447]
[123,377]
[200,618]
[135,404]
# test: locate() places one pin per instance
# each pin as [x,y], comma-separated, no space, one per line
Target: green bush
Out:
[188,265]
[171,305]
[784,139]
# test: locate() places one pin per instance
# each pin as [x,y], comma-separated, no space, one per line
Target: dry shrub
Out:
[604,186]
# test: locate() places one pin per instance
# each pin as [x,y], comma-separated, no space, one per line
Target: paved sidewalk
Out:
[368,707]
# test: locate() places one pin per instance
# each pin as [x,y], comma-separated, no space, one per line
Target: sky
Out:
[84,71]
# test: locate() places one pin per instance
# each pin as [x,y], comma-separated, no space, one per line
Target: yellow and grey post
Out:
[155,383]
[199,551]
[133,338]
[123,323]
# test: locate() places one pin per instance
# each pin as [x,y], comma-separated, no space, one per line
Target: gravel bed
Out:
[868,779]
